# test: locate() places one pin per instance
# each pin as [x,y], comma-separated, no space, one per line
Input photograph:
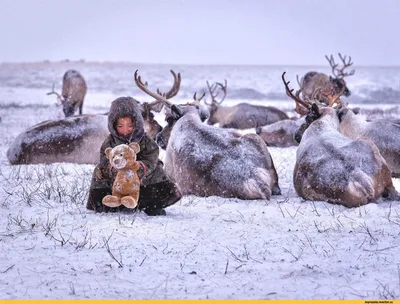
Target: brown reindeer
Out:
[281,133]
[385,133]
[204,160]
[73,92]
[151,126]
[334,168]
[72,139]
[321,87]
[242,115]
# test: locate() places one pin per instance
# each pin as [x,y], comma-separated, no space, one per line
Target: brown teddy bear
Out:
[125,190]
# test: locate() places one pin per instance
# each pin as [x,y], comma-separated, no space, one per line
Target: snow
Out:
[205,248]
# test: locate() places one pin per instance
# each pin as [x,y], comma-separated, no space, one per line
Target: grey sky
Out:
[201,31]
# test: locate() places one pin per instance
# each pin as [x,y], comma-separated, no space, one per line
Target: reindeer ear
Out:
[176,112]
[135,147]
[107,152]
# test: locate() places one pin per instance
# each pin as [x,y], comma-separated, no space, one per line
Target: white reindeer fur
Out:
[206,160]
[384,133]
[329,161]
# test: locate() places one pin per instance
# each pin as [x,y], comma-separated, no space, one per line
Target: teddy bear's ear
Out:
[107,152]
[135,146]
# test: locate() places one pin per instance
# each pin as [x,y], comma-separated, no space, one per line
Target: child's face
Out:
[124,126]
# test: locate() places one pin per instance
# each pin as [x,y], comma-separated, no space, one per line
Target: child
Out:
[125,124]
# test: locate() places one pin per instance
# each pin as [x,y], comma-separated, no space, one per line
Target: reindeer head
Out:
[174,112]
[215,104]
[73,92]
[339,74]
[151,126]
[313,109]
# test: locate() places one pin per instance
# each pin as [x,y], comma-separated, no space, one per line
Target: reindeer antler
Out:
[302,107]
[339,72]
[175,87]
[157,95]
[213,87]
[200,98]
[59,97]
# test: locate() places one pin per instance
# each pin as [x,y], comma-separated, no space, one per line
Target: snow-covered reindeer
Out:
[204,160]
[281,133]
[319,86]
[334,168]
[384,133]
[74,90]
[242,115]
[74,139]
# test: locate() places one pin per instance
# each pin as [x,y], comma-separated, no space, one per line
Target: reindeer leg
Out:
[391,194]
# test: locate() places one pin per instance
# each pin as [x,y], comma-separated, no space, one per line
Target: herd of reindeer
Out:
[342,158]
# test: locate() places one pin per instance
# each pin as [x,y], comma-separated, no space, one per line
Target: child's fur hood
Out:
[122,107]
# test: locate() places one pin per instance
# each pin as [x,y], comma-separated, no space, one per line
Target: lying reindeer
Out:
[281,133]
[319,86]
[242,115]
[72,139]
[204,160]
[385,133]
[334,168]
[73,92]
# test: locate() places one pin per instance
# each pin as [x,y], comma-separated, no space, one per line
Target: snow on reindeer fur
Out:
[338,169]
[206,160]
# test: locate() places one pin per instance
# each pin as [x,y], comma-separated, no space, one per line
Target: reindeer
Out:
[321,87]
[151,126]
[281,133]
[204,160]
[72,139]
[334,168]
[242,115]
[385,133]
[73,92]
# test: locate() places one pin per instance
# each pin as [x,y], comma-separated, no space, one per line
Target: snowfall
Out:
[204,248]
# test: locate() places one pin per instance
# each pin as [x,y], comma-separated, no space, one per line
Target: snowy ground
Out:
[205,248]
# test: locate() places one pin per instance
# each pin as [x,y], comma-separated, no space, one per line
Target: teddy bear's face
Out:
[121,155]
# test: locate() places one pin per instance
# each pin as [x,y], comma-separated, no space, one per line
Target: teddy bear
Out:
[125,190]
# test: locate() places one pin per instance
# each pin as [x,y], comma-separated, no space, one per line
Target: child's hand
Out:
[142,170]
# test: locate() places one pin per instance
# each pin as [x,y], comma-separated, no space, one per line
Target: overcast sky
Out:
[201,31]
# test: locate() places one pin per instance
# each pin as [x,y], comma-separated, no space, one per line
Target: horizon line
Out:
[83,61]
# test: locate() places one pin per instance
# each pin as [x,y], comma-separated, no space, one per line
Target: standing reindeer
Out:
[73,92]
[321,87]
[204,160]
[334,168]
[242,115]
